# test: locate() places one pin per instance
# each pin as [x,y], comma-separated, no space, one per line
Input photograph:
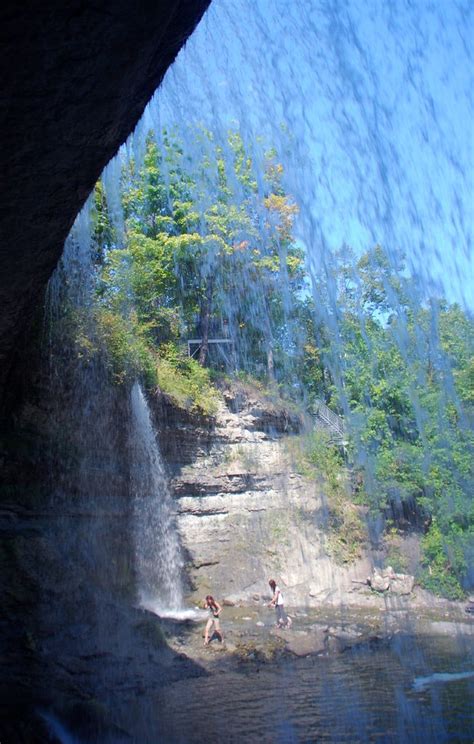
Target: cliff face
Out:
[76,77]
[244,512]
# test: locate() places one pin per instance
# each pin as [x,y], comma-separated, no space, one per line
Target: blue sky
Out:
[370,106]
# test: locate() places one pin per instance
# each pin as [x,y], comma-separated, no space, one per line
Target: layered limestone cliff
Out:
[244,512]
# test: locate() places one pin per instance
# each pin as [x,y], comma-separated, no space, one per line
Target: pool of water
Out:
[366,695]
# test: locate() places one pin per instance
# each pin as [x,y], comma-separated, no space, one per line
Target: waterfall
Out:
[159,560]
[364,104]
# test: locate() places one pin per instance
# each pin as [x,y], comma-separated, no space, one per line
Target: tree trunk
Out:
[269,339]
[270,364]
[205,323]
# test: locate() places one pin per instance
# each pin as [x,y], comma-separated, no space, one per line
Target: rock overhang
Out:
[76,77]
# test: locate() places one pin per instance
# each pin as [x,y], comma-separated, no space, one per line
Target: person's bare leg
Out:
[206,635]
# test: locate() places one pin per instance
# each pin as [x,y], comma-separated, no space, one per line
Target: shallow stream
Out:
[364,695]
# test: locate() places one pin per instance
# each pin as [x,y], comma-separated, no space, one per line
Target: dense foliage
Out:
[204,264]
[406,385]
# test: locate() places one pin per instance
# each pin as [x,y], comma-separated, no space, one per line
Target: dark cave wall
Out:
[76,77]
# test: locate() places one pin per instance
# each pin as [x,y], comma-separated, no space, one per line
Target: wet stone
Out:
[307,644]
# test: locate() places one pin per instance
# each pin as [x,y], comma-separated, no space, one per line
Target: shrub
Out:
[319,459]
[185,381]
[130,355]
[442,563]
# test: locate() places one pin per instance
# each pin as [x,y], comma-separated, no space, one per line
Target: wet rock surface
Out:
[304,643]
[68,604]
[251,638]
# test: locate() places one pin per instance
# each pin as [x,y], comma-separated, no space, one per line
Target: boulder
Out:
[387,579]
[402,584]
[379,582]
[307,644]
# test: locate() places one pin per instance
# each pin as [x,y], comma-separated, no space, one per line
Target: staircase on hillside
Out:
[328,421]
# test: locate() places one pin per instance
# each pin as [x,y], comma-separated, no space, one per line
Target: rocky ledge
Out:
[250,635]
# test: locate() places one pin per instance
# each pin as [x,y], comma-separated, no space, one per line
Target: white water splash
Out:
[195,614]
[420,683]
[158,556]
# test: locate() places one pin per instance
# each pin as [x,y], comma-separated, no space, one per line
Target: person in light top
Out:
[283,621]
[214,611]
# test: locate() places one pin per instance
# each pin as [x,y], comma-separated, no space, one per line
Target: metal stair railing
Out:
[329,418]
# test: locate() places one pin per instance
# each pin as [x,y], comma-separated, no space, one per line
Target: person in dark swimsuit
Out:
[214,612]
